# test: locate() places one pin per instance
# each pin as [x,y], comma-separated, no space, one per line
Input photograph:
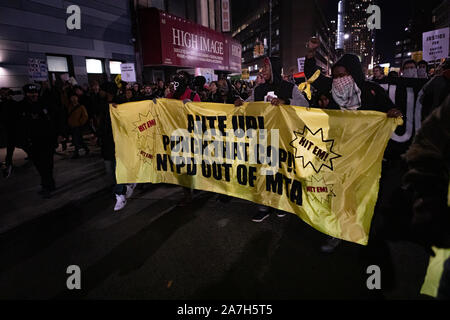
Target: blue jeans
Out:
[110,167]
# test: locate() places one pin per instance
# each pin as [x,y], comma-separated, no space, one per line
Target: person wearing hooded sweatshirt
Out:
[348,87]
[105,132]
[349,91]
[184,93]
[286,93]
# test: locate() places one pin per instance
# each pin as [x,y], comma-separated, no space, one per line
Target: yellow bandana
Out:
[306,86]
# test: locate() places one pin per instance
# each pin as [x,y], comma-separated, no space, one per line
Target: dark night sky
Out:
[395,15]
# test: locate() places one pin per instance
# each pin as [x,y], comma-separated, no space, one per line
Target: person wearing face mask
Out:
[422,69]
[348,87]
[409,69]
[286,93]
[435,90]
[108,149]
[349,91]
[184,93]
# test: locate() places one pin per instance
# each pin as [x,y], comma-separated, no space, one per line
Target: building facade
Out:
[409,46]
[259,35]
[264,33]
[38,30]
[212,14]
[356,38]
[441,15]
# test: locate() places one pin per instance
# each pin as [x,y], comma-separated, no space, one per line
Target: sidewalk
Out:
[76,180]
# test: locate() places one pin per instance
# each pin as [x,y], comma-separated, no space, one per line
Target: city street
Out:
[153,249]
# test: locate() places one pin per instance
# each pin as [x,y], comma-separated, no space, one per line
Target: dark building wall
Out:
[297,28]
[35,28]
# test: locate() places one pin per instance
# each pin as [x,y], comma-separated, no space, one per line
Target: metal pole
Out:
[270,28]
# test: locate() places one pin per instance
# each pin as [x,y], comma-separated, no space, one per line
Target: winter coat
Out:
[78,116]
[282,89]
[373,97]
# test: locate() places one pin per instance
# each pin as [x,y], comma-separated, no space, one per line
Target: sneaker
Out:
[330,245]
[130,190]
[260,216]
[121,202]
[280,214]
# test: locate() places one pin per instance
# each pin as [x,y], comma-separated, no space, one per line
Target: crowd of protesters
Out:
[51,115]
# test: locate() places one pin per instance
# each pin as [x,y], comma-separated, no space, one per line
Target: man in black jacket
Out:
[41,132]
[285,92]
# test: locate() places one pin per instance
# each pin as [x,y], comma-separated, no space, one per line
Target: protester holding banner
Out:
[121,191]
[284,93]
[348,87]
[349,91]
[409,69]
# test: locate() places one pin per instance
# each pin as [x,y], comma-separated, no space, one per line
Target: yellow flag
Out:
[434,272]
[322,165]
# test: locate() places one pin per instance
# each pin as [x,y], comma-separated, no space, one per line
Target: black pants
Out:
[12,141]
[77,139]
[42,156]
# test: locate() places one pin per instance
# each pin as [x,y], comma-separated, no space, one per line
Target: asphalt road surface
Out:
[154,249]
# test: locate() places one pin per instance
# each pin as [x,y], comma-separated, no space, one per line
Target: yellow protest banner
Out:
[434,272]
[435,266]
[322,165]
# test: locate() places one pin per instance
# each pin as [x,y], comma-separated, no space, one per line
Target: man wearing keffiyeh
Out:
[349,91]
[348,87]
